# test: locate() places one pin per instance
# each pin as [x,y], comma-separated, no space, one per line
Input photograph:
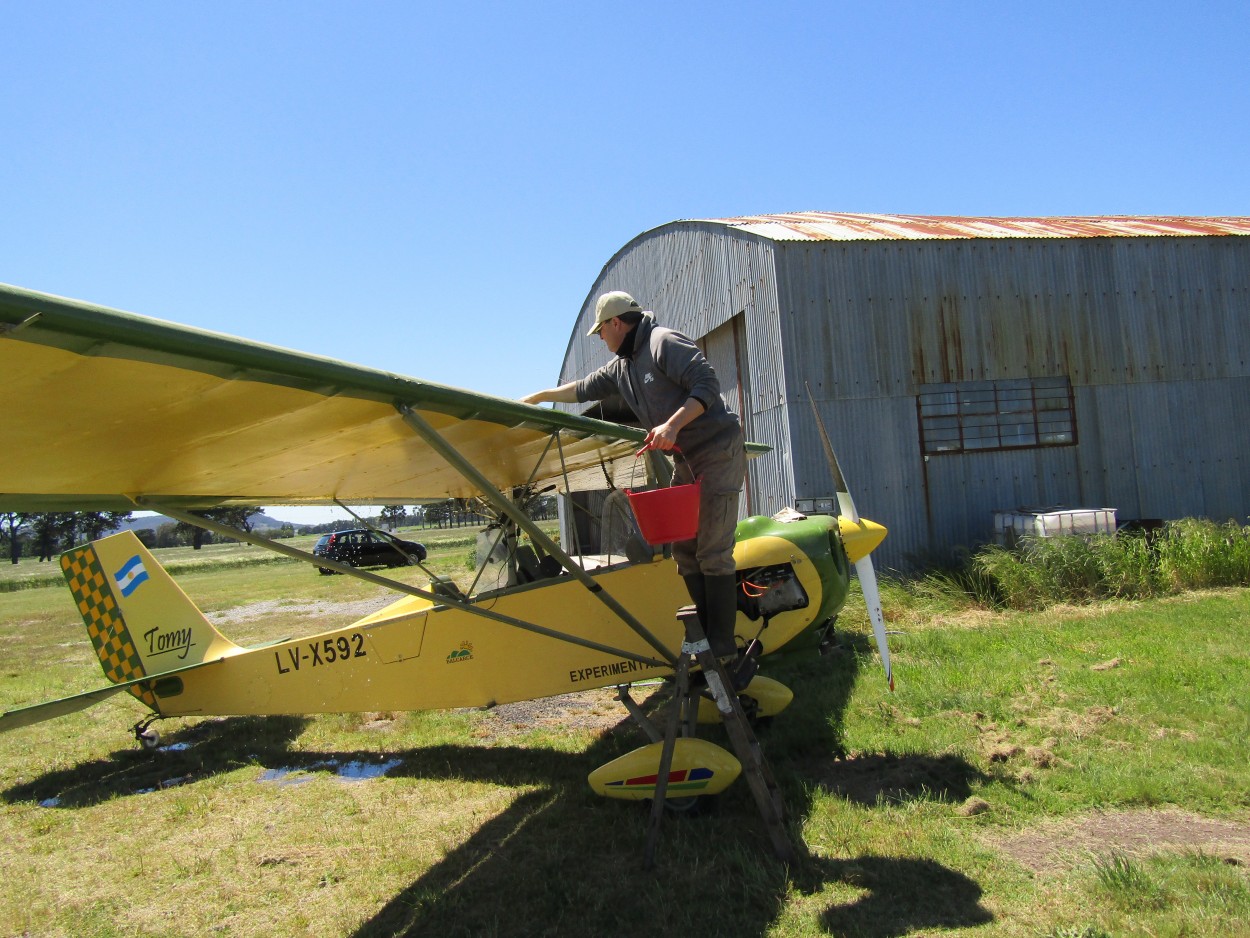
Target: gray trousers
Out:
[722,466]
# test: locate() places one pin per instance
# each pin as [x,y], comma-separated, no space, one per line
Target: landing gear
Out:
[145,735]
[685,807]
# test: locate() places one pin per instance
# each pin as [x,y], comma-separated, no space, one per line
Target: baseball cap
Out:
[611,305]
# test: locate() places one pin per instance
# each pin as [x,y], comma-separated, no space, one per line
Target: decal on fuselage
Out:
[161,642]
[599,671]
[315,654]
[463,653]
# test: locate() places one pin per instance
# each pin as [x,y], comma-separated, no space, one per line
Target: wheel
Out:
[750,709]
[149,737]
[686,807]
[692,807]
[689,807]
[325,571]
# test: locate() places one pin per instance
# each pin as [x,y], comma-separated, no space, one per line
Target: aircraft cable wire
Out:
[513,548]
[607,476]
[760,589]
[564,474]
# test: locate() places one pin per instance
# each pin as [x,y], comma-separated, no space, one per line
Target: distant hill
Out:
[152,522]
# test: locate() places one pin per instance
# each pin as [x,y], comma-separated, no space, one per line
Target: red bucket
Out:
[667,515]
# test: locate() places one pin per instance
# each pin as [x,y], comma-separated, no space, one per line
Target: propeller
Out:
[859,545]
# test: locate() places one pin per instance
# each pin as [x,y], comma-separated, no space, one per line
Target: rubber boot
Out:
[698,595]
[722,614]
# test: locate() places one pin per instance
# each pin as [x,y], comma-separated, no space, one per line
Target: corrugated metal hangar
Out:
[965,366]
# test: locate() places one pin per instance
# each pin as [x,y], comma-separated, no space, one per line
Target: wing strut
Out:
[285,549]
[523,521]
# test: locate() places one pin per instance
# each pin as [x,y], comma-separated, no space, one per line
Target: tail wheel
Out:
[146,735]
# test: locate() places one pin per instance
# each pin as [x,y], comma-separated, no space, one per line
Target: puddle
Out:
[161,786]
[355,771]
[363,771]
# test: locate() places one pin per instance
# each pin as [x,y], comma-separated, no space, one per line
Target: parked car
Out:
[364,548]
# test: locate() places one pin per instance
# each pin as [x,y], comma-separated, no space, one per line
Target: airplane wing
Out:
[99,407]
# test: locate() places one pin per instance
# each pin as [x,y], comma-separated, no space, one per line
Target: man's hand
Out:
[663,437]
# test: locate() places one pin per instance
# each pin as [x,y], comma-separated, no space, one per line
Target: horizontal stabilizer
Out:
[27,716]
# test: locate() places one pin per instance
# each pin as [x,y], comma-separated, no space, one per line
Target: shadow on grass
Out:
[869,779]
[560,860]
[901,895]
[189,755]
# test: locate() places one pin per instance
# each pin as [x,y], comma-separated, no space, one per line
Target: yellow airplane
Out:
[106,410]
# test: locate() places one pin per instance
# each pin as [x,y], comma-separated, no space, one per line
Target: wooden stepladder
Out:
[747,748]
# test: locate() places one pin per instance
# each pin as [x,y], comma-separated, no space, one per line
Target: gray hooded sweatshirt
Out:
[660,373]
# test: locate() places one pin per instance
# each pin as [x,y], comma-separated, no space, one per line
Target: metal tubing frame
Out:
[288,551]
[492,495]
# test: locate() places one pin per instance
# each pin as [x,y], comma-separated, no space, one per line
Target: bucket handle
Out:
[676,449]
[648,447]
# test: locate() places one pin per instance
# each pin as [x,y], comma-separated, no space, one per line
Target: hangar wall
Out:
[1151,331]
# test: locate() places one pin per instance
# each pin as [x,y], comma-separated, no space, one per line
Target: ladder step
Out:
[767,793]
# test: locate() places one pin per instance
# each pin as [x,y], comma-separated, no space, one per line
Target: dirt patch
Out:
[596,710]
[271,607]
[1056,845]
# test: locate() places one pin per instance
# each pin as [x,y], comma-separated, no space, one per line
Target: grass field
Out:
[1069,772]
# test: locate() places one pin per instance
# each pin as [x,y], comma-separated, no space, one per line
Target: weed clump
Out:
[1039,572]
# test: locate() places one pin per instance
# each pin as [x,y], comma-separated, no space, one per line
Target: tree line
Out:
[46,534]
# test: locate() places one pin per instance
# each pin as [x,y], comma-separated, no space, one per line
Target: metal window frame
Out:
[935,423]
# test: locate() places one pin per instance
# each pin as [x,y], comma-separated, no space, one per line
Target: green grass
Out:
[1003,724]
[1189,893]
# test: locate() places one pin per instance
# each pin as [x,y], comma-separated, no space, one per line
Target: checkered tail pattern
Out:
[105,624]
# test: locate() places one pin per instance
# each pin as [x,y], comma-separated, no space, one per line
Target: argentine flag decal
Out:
[131,575]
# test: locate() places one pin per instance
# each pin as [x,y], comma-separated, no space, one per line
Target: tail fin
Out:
[140,622]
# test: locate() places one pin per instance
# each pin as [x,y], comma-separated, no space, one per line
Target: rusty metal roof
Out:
[836,226]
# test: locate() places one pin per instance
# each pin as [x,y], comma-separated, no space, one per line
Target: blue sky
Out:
[432,189]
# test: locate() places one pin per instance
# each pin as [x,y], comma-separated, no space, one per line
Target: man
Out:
[673,390]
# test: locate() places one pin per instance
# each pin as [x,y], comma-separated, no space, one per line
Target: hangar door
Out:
[725,348]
